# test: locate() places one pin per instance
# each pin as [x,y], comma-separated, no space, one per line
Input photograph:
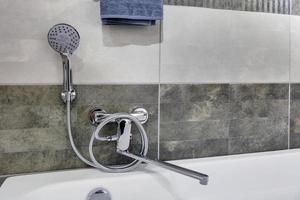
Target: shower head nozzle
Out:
[63,38]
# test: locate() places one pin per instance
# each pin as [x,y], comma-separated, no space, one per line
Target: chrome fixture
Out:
[64,39]
[123,137]
[99,194]
[97,115]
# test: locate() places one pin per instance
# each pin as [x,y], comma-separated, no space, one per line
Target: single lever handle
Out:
[123,142]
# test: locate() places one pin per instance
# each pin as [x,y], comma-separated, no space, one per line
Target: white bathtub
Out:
[261,176]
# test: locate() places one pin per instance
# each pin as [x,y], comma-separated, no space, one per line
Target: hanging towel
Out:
[131,12]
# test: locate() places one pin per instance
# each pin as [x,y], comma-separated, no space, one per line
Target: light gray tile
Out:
[254,48]
[106,54]
[174,150]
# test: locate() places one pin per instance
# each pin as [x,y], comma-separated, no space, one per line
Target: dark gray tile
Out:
[170,93]
[295,7]
[175,93]
[295,140]
[295,91]
[258,109]
[206,110]
[115,94]
[20,117]
[242,92]
[295,116]
[33,134]
[170,112]
[35,139]
[261,143]
[202,130]
[272,91]
[30,95]
[174,150]
[255,127]
[217,93]
[26,162]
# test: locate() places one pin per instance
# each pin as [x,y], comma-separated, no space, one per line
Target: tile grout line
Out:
[290,68]
[159,80]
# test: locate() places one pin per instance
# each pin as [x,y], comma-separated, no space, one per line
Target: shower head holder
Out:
[64,39]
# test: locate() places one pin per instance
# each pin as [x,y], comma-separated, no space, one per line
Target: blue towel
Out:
[131,12]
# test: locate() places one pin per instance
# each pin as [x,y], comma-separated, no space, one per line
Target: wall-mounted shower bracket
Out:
[97,115]
[68,93]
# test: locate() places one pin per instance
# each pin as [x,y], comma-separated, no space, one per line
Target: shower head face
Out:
[63,38]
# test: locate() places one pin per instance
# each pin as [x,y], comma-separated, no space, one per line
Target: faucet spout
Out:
[203,178]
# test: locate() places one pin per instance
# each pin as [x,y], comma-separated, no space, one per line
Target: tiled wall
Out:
[197,120]
[221,119]
[295,116]
[196,55]
[107,54]
[33,134]
[222,46]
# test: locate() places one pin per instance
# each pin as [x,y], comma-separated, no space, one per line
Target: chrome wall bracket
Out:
[97,115]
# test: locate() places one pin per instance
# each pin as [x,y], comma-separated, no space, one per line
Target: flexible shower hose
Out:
[111,118]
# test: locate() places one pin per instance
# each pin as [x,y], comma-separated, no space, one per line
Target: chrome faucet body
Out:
[123,138]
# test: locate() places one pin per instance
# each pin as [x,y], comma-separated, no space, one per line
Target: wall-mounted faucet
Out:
[123,139]
[64,39]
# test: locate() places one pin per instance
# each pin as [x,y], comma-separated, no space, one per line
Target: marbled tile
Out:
[30,95]
[33,139]
[190,111]
[117,94]
[295,7]
[33,135]
[271,6]
[258,144]
[20,117]
[37,161]
[256,127]
[238,113]
[173,150]
[295,116]
[171,93]
[207,129]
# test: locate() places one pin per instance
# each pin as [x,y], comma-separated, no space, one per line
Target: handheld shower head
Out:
[63,38]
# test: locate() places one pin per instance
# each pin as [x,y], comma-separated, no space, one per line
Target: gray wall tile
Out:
[295,116]
[33,134]
[295,7]
[245,117]
[197,120]
[173,150]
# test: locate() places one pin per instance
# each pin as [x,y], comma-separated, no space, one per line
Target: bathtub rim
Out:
[141,169]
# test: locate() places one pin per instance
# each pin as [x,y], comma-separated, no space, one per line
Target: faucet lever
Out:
[124,132]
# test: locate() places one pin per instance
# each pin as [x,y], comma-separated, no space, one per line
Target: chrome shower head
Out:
[63,38]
